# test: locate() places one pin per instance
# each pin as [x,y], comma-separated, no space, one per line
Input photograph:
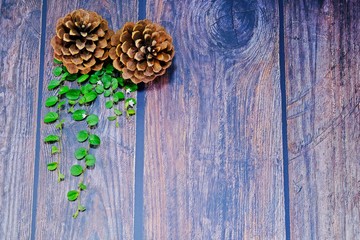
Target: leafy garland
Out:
[73,94]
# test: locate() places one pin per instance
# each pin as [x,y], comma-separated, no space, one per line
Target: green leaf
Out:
[51,117]
[52,166]
[62,103]
[82,100]
[57,71]
[107,93]
[71,77]
[106,80]
[99,89]
[51,138]
[73,94]
[112,118]
[80,153]
[76,170]
[79,115]
[94,140]
[92,120]
[53,84]
[120,81]
[60,124]
[72,195]
[72,102]
[130,102]
[109,68]
[114,84]
[131,112]
[132,87]
[93,79]
[99,73]
[109,104]
[54,149]
[51,101]
[81,208]
[86,88]
[82,136]
[119,95]
[83,78]
[61,177]
[63,89]
[117,112]
[90,96]
[90,160]
[71,109]
[82,186]
[57,61]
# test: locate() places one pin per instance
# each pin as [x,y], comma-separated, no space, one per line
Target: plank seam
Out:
[139,150]
[38,119]
[284,119]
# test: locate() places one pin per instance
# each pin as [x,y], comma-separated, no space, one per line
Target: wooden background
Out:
[252,134]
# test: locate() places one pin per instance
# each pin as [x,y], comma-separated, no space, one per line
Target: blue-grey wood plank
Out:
[323,95]
[19,75]
[213,136]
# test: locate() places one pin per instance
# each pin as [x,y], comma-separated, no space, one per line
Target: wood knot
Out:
[231,23]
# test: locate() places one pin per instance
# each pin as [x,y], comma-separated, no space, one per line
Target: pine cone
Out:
[142,51]
[82,41]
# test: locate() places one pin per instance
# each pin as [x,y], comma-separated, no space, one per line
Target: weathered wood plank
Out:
[109,198]
[19,74]
[323,83]
[213,155]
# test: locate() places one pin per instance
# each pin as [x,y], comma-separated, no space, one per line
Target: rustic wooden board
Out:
[213,142]
[109,198]
[323,83]
[19,74]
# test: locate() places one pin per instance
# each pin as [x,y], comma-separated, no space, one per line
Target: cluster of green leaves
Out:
[74,93]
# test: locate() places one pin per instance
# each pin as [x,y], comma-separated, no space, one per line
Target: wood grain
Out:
[323,83]
[19,74]
[109,198]
[213,155]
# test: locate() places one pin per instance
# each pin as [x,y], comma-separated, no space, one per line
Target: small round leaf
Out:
[80,153]
[79,115]
[53,84]
[94,140]
[64,89]
[52,166]
[76,170]
[51,101]
[51,117]
[82,136]
[73,94]
[90,160]
[57,71]
[51,138]
[109,104]
[72,195]
[92,120]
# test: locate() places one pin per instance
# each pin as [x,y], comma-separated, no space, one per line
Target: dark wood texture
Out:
[323,95]
[213,155]
[19,69]
[213,166]
[109,198]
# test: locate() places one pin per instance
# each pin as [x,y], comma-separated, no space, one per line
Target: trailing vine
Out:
[75,100]
[92,60]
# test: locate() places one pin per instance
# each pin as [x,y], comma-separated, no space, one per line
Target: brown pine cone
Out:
[82,41]
[142,51]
